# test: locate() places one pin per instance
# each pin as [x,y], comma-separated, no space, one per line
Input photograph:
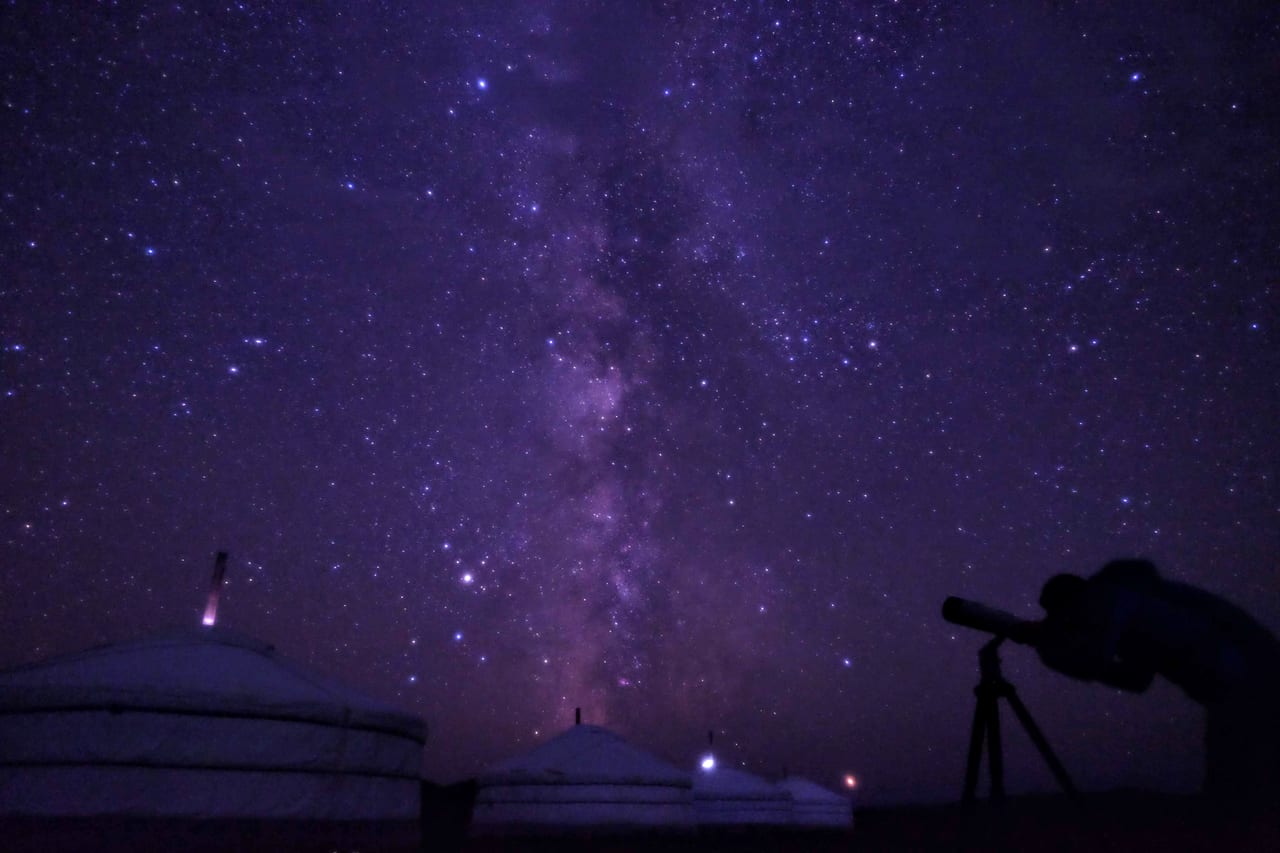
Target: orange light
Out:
[850,781]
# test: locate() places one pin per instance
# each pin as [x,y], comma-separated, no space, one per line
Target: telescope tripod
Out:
[986,722]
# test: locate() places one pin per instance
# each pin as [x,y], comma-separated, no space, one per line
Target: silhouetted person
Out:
[1125,625]
[445,815]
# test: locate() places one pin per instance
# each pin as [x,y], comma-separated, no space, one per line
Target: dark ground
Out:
[1127,821]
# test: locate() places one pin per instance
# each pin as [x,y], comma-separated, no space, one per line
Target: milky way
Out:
[672,361]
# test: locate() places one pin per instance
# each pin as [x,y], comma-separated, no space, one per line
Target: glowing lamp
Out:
[708,762]
[850,781]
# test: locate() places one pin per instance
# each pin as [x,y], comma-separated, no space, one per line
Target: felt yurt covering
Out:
[585,778]
[726,796]
[815,806]
[204,723]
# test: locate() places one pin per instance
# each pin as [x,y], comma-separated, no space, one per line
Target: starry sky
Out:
[671,360]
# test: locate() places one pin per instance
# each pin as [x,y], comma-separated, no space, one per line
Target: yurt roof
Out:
[806,791]
[586,754]
[206,671]
[731,783]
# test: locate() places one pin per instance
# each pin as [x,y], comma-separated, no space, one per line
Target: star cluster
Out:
[673,361]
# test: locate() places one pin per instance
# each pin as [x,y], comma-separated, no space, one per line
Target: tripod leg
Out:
[1038,738]
[996,750]
[975,751]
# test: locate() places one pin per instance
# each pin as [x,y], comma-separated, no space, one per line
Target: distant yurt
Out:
[816,807]
[587,778]
[203,724]
[725,797]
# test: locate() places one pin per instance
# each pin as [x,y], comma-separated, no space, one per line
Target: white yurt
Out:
[726,796]
[204,723]
[816,807]
[585,778]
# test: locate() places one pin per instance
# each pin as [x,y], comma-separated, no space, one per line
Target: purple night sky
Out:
[672,360]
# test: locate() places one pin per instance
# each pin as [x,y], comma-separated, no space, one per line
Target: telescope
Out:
[971,614]
[991,689]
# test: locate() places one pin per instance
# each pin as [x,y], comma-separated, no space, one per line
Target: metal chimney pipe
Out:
[577,716]
[215,589]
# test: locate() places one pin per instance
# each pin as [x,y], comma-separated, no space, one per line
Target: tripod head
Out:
[989,661]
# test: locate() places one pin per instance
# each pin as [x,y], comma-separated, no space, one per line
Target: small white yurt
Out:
[586,778]
[816,807]
[204,723]
[726,797]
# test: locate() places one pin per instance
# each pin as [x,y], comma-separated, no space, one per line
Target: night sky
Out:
[671,360]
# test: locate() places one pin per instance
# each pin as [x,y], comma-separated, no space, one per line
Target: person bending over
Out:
[1126,625]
